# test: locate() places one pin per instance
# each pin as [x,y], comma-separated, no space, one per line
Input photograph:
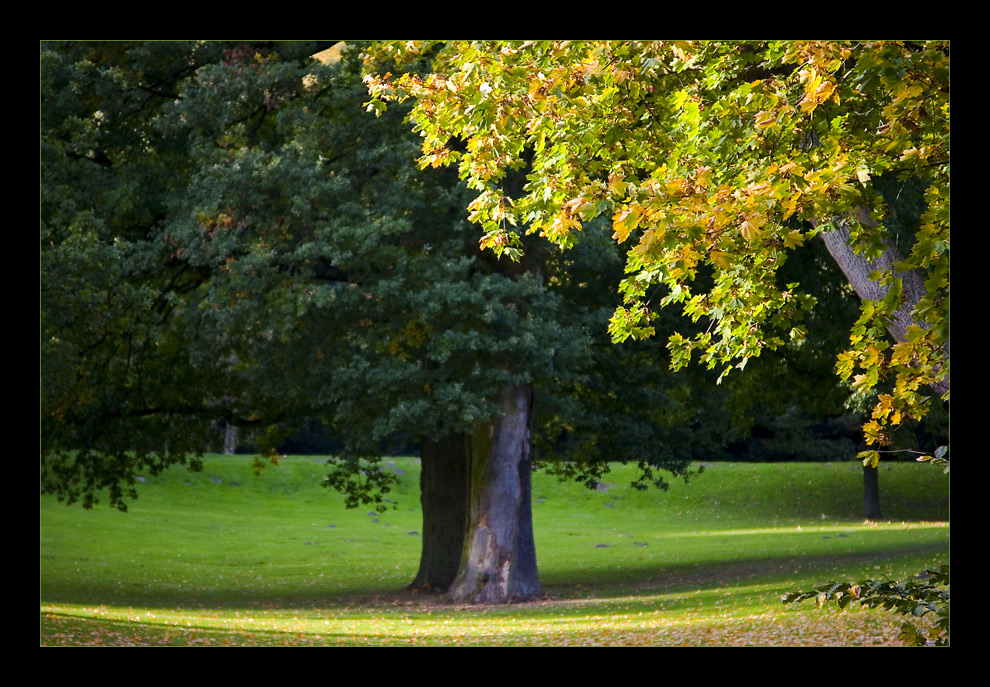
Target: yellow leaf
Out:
[765,120]
[562,224]
[870,458]
[750,231]
[871,357]
[884,407]
[646,241]
[902,353]
[624,222]
[789,206]
[723,260]
[794,238]
[616,185]
[875,434]
[679,49]
[862,382]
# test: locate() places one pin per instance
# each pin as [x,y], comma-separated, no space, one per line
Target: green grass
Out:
[223,557]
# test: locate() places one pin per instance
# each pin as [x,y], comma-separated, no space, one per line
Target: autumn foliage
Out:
[714,161]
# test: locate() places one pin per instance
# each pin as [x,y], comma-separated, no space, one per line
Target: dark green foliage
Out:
[191,231]
[917,597]
[614,403]
[228,237]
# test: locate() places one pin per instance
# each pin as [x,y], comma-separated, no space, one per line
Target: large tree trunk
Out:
[443,493]
[499,556]
[857,269]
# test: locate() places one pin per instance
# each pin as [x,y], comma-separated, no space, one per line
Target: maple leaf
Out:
[863,174]
[884,407]
[794,239]
[870,459]
[750,231]
[679,49]
[875,433]
[624,222]
[723,260]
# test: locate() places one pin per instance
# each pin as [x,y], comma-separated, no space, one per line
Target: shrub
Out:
[926,593]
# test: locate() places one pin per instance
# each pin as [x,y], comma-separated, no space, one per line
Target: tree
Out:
[227,236]
[720,159]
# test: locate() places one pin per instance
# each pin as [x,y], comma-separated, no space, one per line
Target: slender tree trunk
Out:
[499,556]
[871,493]
[229,440]
[443,493]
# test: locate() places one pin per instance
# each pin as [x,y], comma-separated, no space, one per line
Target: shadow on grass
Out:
[597,583]
[701,576]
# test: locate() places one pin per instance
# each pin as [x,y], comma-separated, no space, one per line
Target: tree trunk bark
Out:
[443,494]
[857,269]
[229,440]
[871,493]
[498,564]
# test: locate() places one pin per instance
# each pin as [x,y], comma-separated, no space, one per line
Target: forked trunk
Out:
[498,564]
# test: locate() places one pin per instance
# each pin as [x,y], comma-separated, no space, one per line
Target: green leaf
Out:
[910,635]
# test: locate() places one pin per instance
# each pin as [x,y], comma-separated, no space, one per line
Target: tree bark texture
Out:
[857,269]
[443,494]
[498,564]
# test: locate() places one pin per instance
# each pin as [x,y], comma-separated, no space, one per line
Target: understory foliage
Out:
[227,237]
[716,159]
[917,597]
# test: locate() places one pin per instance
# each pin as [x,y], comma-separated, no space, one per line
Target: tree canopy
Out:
[715,160]
[227,236]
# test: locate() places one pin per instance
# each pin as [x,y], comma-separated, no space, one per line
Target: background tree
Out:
[702,153]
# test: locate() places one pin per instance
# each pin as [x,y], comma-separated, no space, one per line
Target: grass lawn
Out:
[225,558]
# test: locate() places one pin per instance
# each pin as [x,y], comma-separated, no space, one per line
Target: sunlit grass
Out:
[704,619]
[276,560]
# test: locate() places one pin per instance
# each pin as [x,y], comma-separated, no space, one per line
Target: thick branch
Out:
[858,268]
